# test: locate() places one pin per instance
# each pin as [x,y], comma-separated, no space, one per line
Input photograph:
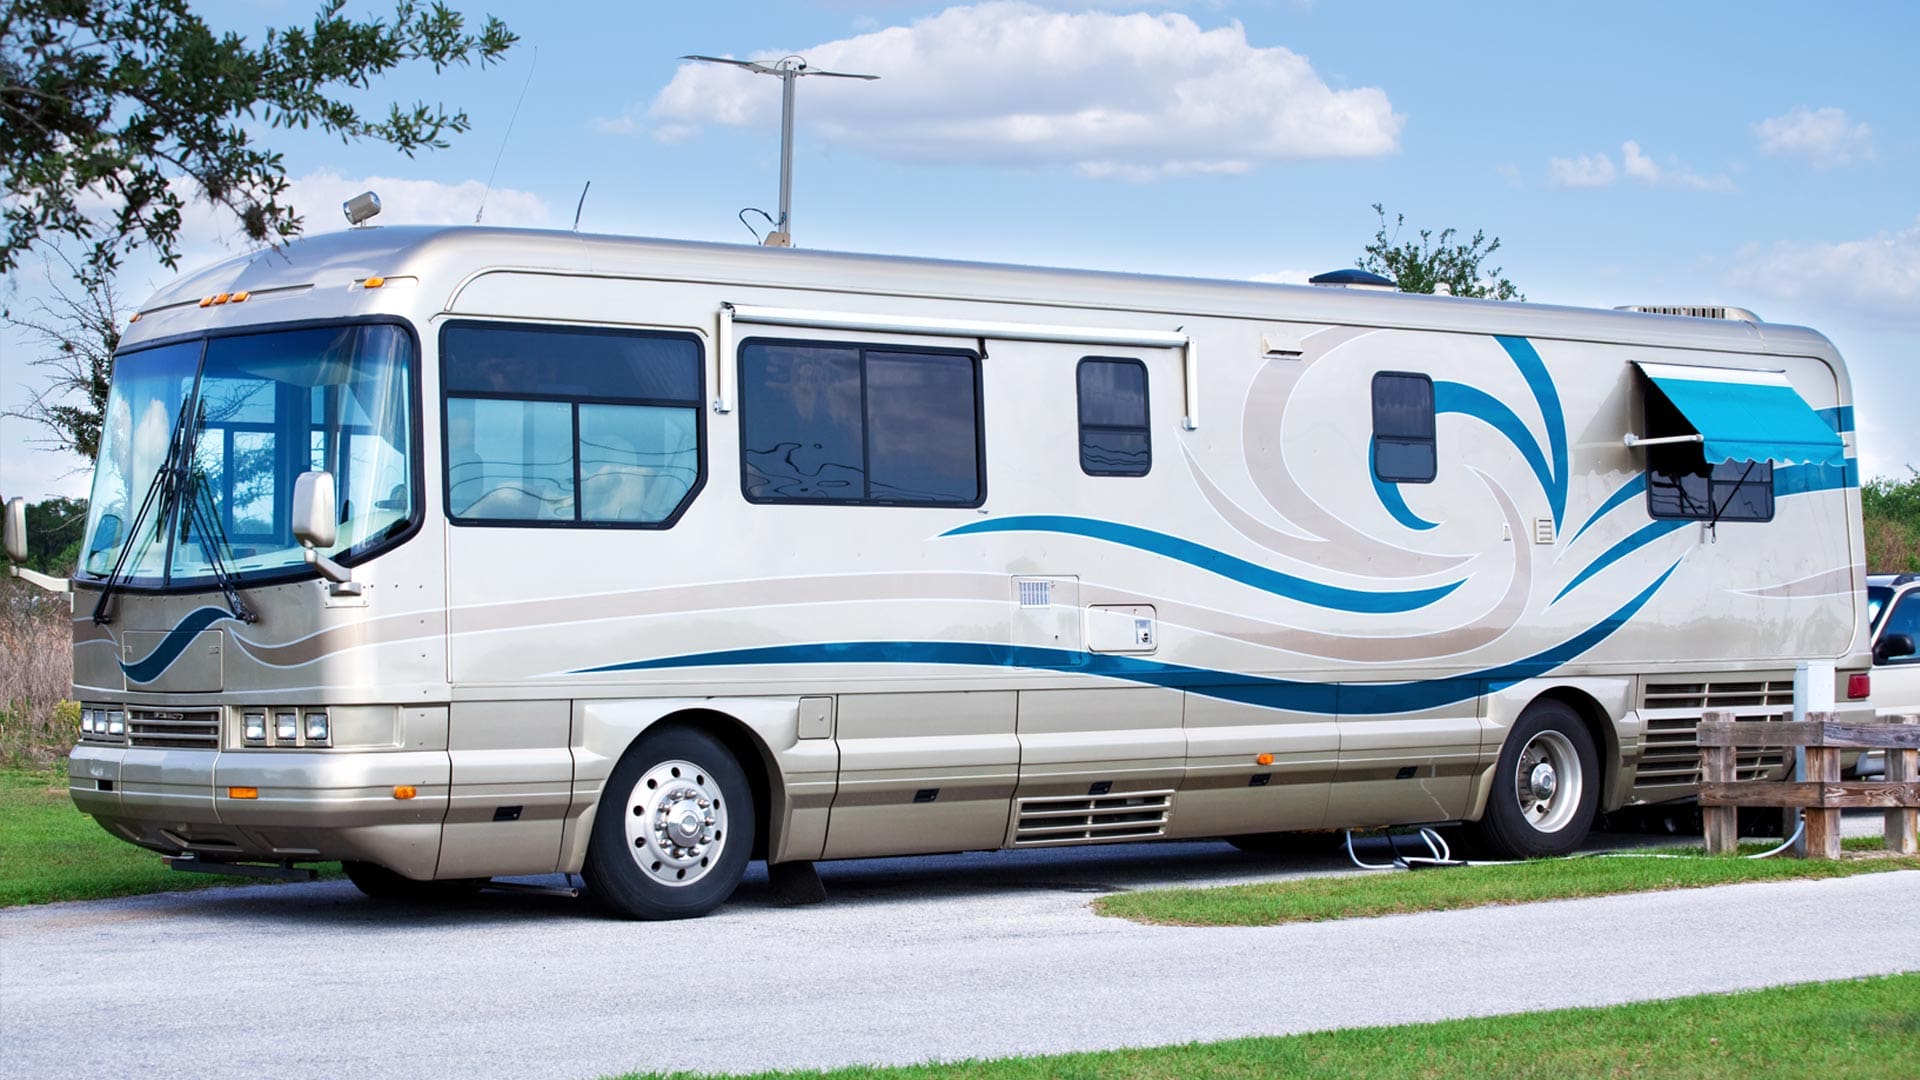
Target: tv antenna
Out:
[787,69]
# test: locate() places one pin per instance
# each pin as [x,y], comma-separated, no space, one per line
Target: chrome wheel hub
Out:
[1548,781]
[676,822]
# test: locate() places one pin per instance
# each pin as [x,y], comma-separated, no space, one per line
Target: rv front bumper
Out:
[298,806]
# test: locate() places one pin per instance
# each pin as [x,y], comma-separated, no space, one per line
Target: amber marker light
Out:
[136,318]
[223,298]
[404,791]
[374,282]
[241,297]
[206,301]
[243,793]
[1263,759]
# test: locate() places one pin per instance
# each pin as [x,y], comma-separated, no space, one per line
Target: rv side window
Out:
[1404,449]
[1680,484]
[549,425]
[1115,439]
[824,422]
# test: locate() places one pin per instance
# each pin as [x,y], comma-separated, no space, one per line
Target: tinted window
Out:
[555,425]
[1404,447]
[1904,618]
[1115,437]
[840,423]
[1680,484]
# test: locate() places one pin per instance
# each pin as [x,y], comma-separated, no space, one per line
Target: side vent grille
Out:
[1078,819]
[1671,751]
[1695,311]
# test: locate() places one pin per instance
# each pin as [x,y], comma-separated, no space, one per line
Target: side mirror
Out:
[314,510]
[1892,647]
[16,530]
[316,526]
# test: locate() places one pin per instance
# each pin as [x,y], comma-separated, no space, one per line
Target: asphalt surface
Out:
[909,960]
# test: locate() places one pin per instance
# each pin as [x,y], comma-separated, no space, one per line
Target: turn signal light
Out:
[1263,759]
[374,282]
[243,793]
[404,791]
[1859,686]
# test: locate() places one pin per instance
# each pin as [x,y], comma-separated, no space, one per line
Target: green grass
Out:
[1867,1028]
[51,851]
[1350,896]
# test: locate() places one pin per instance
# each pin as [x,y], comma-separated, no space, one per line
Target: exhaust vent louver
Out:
[195,729]
[1694,311]
[1671,750]
[1083,819]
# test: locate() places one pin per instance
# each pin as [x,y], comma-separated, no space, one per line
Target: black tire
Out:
[640,871]
[1522,823]
[1322,842]
[380,883]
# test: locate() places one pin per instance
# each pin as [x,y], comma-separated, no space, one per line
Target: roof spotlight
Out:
[361,207]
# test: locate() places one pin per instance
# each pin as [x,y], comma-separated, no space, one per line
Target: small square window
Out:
[1404,447]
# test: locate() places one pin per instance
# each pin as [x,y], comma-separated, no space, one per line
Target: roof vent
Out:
[1352,279]
[1738,314]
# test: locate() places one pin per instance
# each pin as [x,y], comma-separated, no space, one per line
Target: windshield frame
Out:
[300,571]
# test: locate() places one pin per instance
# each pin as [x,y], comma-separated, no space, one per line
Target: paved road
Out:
[978,955]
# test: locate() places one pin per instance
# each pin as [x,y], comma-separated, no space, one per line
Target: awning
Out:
[1745,415]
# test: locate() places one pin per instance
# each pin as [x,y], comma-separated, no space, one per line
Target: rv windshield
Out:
[264,408]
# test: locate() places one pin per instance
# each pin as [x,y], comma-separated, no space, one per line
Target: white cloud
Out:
[1596,170]
[1285,277]
[1130,96]
[1582,172]
[1878,277]
[1827,137]
[318,196]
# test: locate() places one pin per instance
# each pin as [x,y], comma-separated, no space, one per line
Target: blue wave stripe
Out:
[1630,489]
[1839,418]
[1453,397]
[1805,479]
[1216,562]
[1394,501]
[1534,370]
[164,654]
[1348,699]
[1647,534]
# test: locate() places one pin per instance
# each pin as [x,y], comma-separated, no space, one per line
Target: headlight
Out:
[286,727]
[116,722]
[253,727]
[316,727]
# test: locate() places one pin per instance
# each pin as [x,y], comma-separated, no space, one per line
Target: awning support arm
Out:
[1665,440]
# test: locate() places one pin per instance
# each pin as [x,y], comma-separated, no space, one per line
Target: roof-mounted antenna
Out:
[535,62]
[786,69]
[577,207]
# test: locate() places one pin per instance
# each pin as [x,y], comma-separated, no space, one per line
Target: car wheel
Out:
[674,829]
[1546,786]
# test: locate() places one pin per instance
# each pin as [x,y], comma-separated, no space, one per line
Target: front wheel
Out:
[674,829]
[1546,786]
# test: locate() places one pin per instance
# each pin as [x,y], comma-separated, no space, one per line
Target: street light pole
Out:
[787,69]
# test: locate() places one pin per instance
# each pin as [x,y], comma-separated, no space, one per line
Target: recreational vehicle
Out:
[461,553]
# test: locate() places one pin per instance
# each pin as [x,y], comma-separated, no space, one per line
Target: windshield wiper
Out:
[161,494]
[199,512]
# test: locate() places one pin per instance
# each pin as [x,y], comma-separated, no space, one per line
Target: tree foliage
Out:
[126,109]
[1892,511]
[1436,260]
[77,332]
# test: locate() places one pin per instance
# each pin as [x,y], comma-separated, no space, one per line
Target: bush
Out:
[1892,512]
[37,722]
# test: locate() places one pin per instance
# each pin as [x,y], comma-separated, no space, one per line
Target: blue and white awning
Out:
[1746,415]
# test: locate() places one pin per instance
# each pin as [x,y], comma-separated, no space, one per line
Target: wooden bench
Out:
[1822,795]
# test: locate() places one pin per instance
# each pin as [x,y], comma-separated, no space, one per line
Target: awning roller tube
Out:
[973,328]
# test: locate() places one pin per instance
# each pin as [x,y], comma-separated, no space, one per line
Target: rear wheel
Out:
[380,883]
[674,829]
[1546,786]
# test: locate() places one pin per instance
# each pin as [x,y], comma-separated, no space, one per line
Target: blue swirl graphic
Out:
[1628,490]
[155,663]
[1347,699]
[1216,562]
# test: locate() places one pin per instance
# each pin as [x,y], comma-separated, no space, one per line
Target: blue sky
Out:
[1757,155]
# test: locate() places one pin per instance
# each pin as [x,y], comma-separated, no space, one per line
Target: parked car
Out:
[1893,618]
